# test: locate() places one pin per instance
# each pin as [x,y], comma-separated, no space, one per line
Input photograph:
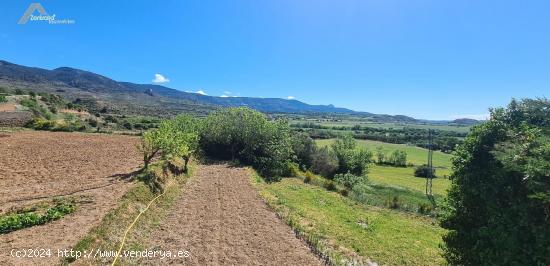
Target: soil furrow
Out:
[221,220]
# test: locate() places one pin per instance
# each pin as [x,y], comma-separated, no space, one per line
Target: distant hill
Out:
[97,91]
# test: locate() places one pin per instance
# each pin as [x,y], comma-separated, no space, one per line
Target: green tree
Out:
[380,155]
[398,158]
[304,149]
[350,158]
[244,134]
[325,162]
[349,180]
[498,207]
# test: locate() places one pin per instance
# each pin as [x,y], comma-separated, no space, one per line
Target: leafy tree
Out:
[350,158]
[244,134]
[380,155]
[188,135]
[498,207]
[150,146]
[398,158]
[304,149]
[325,162]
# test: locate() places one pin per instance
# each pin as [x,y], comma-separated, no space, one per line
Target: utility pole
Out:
[429,177]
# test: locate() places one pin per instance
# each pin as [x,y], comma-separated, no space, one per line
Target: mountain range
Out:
[99,92]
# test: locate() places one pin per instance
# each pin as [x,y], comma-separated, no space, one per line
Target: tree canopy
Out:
[498,207]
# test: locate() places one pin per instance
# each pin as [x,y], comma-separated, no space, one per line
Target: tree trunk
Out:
[186,159]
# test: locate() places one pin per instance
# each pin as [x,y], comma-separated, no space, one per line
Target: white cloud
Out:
[472,116]
[224,96]
[160,79]
[290,97]
[201,92]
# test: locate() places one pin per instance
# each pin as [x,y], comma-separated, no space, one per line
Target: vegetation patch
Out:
[347,232]
[107,236]
[28,217]
[404,178]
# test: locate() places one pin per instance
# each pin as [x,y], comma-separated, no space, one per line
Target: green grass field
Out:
[404,176]
[415,155]
[345,229]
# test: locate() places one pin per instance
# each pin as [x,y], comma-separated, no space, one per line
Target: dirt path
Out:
[36,166]
[221,220]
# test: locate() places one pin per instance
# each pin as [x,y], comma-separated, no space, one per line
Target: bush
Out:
[173,139]
[425,208]
[498,205]
[304,149]
[423,171]
[329,185]
[325,162]
[3,99]
[246,135]
[398,158]
[309,177]
[350,159]
[19,92]
[349,180]
[393,202]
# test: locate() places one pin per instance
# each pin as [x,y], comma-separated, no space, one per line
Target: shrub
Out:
[423,171]
[349,180]
[309,177]
[92,122]
[39,123]
[325,162]
[344,192]
[127,125]
[173,139]
[351,159]
[393,202]
[329,185]
[398,158]
[19,92]
[425,208]
[304,149]
[380,155]
[246,135]
[3,99]
[498,205]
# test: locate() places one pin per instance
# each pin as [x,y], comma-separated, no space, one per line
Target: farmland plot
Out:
[36,167]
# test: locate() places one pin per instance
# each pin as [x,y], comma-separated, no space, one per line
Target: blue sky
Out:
[428,59]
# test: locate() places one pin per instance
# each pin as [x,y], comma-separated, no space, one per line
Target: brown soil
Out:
[221,220]
[14,119]
[37,166]
[6,107]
